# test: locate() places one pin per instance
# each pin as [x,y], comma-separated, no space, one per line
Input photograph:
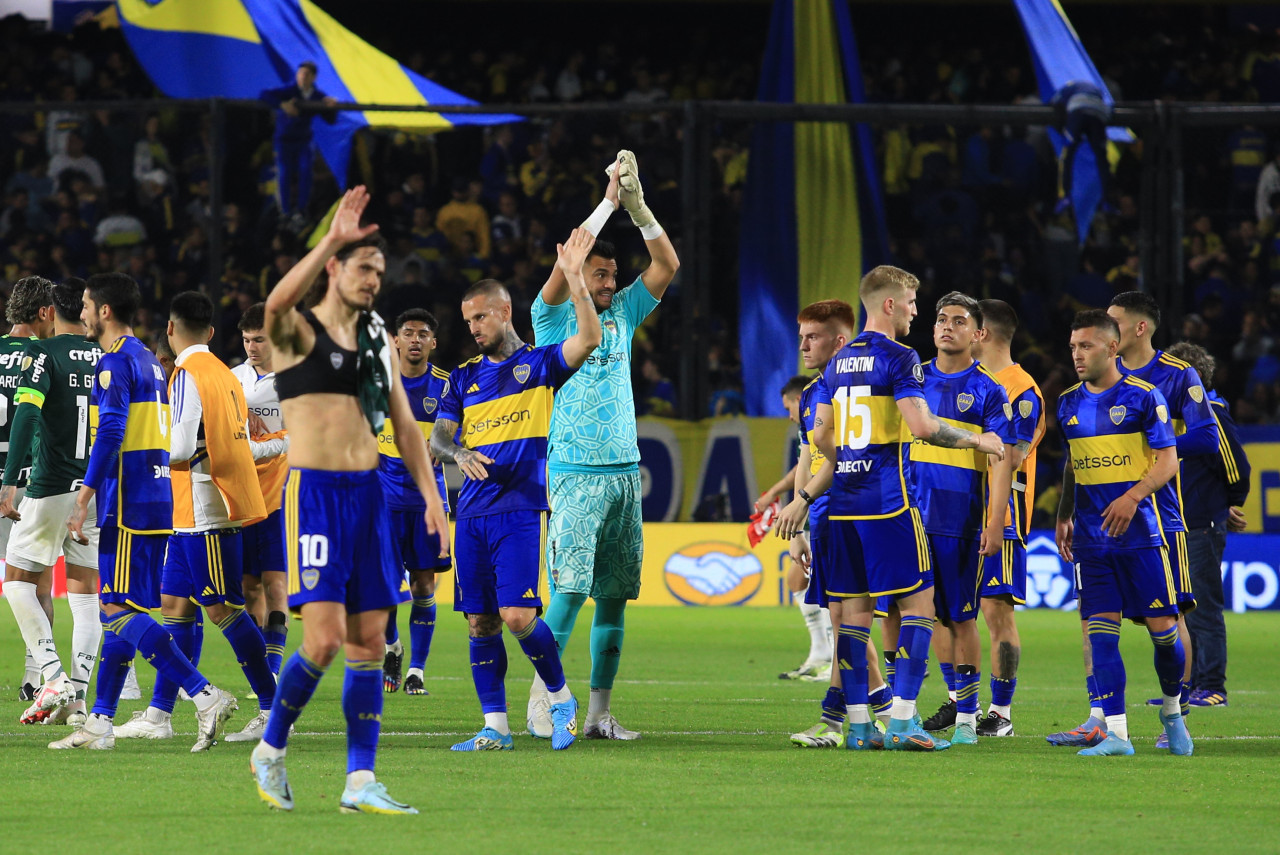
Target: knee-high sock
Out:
[834,707]
[34,625]
[362,705]
[157,647]
[890,667]
[298,680]
[422,628]
[488,672]
[1108,667]
[914,639]
[851,645]
[818,621]
[251,653]
[1170,661]
[164,696]
[949,675]
[562,613]
[539,645]
[276,635]
[393,628]
[197,638]
[967,679]
[117,657]
[608,628]
[1002,691]
[86,638]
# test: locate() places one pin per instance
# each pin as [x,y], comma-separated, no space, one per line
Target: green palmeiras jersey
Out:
[11,352]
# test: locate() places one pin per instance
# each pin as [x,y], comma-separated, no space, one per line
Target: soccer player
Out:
[825,327]
[499,405]
[53,403]
[425,386]
[1003,582]
[1122,451]
[949,490]
[266,594]
[215,491]
[870,390]
[595,542]
[338,379]
[129,467]
[29,306]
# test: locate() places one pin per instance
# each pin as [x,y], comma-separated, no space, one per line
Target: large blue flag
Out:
[812,220]
[238,48]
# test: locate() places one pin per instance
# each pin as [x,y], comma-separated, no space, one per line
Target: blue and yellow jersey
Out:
[1111,438]
[503,410]
[1027,404]
[135,493]
[1188,409]
[425,394]
[809,398]
[863,383]
[950,482]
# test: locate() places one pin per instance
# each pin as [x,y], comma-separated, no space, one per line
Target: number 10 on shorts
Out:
[313,550]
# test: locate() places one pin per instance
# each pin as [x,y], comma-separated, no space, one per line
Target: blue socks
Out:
[164,696]
[362,705]
[251,653]
[913,656]
[1170,660]
[967,679]
[113,668]
[1108,667]
[275,635]
[539,644]
[851,655]
[422,626]
[488,670]
[834,707]
[157,647]
[1002,691]
[949,674]
[607,630]
[298,680]
[393,628]
[1091,686]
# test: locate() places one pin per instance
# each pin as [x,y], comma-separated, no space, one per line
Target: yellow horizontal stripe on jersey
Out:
[147,427]
[512,417]
[851,415]
[961,458]
[1110,459]
[387,438]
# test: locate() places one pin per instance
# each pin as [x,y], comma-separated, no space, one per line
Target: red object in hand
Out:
[761,523]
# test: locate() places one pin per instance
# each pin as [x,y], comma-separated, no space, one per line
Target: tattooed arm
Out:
[924,425]
[1020,451]
[1065,529]
[470,461]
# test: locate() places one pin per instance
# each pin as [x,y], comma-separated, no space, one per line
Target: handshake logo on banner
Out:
[713,574]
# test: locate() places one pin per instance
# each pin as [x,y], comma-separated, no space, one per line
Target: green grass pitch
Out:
[714,771]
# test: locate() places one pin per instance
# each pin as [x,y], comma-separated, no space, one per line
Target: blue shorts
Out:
[1181,567]
[499,560]
[338,541]
[1005,574]
[205,568]
[874,558]
[955,577]
[264,546]
[129,567]
[417,549]
[1136,583]
[819,541]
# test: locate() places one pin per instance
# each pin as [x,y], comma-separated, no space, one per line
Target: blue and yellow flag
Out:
[1059,59]
[238,48]
[813,219]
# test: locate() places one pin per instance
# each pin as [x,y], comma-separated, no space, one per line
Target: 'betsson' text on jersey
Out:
[483,425]
[1100,462]
[855,363]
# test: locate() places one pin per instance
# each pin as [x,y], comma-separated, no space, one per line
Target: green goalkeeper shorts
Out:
[595,540]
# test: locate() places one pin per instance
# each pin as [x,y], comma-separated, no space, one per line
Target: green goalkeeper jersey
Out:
[11,350]
[51,416]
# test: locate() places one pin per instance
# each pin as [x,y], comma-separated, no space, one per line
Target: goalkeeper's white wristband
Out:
[599,217]
[653,231]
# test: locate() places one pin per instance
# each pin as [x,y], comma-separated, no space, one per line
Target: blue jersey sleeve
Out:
[451,400]
[555,369]
[908,376]
[1155,420]
[115,384]
[550,323]
[1026,416]
[1192,406]
[997,415]
[636,303]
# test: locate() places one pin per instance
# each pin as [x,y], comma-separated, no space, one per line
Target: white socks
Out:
[1003,711]
[598,704]
[157,716]
[903,709]
[1096,712]
[561,696]
[1171,705]
[538,686]
[1118,726]
[205,698]
[497,721]
[859,713]
[818,621]
[37,634]
[358,778]
[966,718]
[86,636]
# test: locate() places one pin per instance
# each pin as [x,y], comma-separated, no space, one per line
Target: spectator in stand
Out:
[1247,154]
[293,138]
[507,223]
[73,160]
[119,228]
[464,214]
[569,81]
[60,124]
[151,162]
[1268,186]
[499,168]
[659,395]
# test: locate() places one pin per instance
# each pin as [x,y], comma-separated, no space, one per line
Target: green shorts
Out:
[595,540]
